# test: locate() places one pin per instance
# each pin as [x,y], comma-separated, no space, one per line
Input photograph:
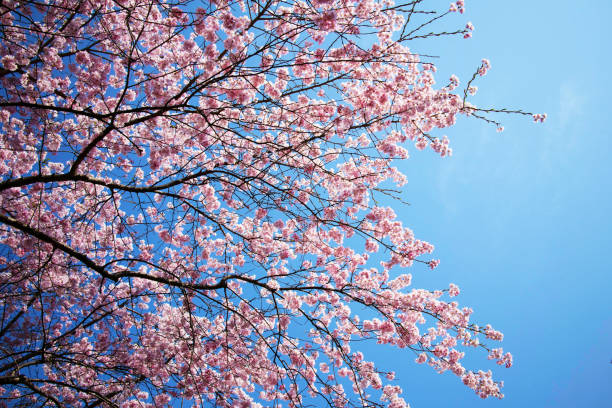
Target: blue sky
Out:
[521,219]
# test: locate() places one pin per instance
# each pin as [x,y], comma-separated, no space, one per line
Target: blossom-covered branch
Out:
[189,202]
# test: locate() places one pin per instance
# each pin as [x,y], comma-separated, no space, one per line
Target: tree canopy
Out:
[190,203]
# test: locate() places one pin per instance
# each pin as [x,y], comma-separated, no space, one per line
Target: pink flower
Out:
[484,67]
[371,246]
[422,358]
[539,117]
[260,213]
[9,62]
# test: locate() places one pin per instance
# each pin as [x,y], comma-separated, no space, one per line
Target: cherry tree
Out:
[192,203]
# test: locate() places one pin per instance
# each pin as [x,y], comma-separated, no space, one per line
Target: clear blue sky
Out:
[521,220]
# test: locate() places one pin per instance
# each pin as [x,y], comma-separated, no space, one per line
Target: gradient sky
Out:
[521,219]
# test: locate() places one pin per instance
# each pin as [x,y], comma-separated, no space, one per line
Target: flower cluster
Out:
[191,204]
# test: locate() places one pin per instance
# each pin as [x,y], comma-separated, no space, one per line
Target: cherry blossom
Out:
[194,201]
